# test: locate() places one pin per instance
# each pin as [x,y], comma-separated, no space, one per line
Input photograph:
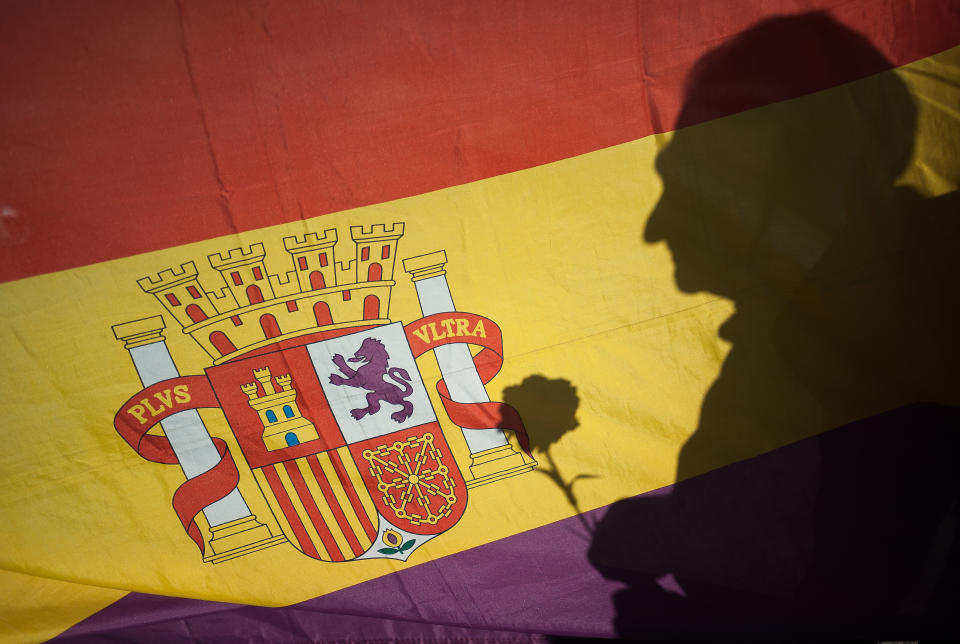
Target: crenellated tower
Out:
[244,273]
[376,250]
[252,309]
[313,259]
[283,424]
[180,293]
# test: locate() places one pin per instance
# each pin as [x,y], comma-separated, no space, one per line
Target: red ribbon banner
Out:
[432,331]
[157,402]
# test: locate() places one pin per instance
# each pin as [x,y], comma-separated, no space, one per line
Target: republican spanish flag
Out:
[467,321]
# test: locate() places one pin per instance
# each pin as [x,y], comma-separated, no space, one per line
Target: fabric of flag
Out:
[705,251]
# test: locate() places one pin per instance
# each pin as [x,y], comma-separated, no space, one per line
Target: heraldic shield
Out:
[322,393]
[344,444]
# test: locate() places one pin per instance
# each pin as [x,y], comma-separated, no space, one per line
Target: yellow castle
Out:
[283,425]
[255,309]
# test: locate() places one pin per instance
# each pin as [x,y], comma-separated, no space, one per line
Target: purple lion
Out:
[371,375]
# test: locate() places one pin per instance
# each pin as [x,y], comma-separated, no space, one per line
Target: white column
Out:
[492,456]
[455,361]
[185,430]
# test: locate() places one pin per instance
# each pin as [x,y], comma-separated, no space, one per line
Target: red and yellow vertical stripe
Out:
[318,505]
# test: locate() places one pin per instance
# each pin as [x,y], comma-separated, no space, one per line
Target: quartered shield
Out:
[344,443]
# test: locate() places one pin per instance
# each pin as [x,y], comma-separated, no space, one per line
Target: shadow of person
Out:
[549,410]
[844,290]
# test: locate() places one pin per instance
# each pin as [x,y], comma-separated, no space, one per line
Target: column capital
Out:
[140,332]
[422,267]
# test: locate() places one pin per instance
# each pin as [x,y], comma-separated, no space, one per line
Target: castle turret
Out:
[346,272]
[283,424]
[313,259]
[179,292]
[244,272]
[376,251]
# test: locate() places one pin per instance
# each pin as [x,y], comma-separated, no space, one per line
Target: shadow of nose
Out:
[654,230]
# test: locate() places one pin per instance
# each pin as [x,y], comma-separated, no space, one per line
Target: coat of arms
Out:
[324,399]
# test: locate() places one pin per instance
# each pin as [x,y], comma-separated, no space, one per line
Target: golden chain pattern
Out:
[412,490]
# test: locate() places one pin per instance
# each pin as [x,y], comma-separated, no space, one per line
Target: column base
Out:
[497,463]
[239,537]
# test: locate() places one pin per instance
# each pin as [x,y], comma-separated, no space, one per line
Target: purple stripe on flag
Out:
[146,618]
[852,533]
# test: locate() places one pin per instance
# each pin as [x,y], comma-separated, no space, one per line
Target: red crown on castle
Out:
[254,309]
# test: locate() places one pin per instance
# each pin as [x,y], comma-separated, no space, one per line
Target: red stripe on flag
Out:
[313,511]
[300,532]
[334,505]
[197,143]
[352,495]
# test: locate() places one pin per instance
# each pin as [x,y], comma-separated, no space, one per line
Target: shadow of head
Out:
[761,195]
[548,408]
